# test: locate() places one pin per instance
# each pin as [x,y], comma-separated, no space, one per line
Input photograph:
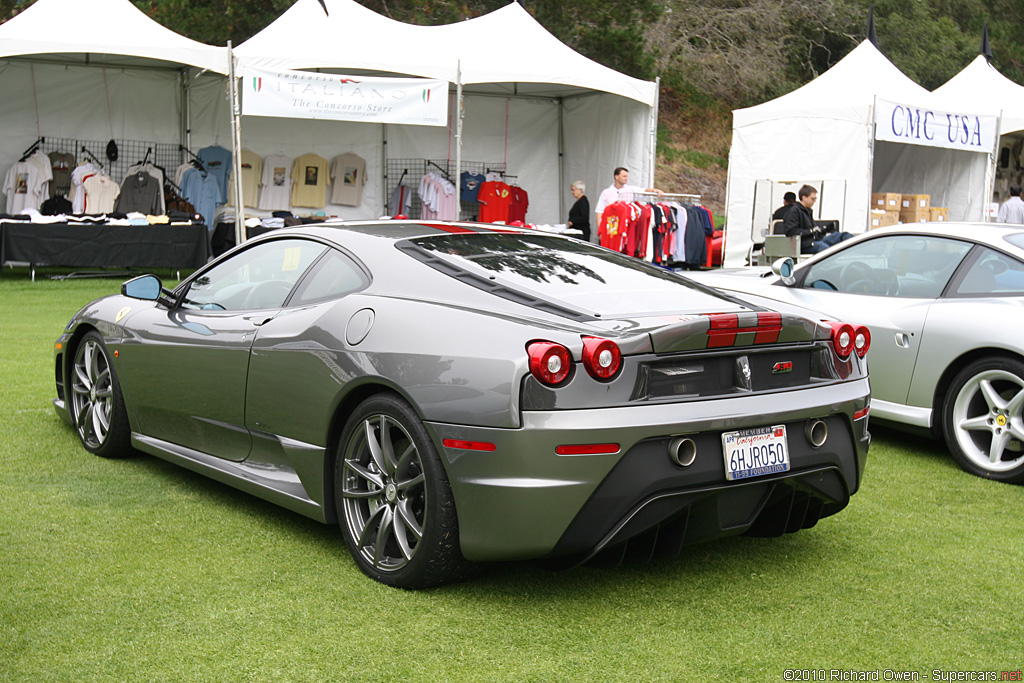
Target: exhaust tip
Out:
[816,432]
[682,450]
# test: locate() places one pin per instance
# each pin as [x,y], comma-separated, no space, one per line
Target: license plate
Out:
[755,452]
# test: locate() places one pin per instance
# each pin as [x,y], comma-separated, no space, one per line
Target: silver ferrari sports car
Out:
[451,394]
[943,302]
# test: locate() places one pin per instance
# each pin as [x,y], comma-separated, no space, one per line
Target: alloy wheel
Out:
[988,422]
[91,393]
[383,491]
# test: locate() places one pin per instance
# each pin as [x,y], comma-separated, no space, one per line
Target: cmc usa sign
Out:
[914,125]
[309,95]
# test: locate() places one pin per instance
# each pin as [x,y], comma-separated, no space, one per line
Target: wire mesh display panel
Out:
[410,171]
[129,152]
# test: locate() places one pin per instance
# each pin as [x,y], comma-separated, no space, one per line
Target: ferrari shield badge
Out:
[122,313]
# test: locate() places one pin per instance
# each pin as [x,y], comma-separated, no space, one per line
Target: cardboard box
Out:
[917,202]
[880,219]
[886,201]
[913,216]
[938,213]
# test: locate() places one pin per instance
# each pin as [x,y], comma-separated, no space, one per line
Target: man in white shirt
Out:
[619,191]
[1012,210]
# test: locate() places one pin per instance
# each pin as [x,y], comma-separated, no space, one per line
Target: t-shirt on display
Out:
[349,175]
[276,183]
[309,181]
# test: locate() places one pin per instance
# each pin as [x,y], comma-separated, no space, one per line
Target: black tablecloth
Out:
[102,246]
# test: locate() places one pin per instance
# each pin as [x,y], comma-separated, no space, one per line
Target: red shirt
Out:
[494,198]
[520,202]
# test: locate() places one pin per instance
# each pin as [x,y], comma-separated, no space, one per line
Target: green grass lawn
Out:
[136,570]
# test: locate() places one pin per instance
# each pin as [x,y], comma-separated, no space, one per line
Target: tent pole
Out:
[236,148]
[872,134]
[458,140]
[561,160]
[653,140]
[186,108]
[384,168]
[990,182]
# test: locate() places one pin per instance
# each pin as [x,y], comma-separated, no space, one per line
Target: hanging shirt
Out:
[309,181]
[494,198]
[202,191]
[470,185]
[100,194]
[349,175]
[276,189]
[157,175]
[519,204]
[218,163]
[61,165]
[81,173]
[401,201]
[140,192]
[24,187]
[252,171]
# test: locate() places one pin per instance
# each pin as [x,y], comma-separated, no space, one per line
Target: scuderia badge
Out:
[122,313]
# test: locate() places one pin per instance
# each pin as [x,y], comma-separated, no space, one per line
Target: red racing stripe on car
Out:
[769,325]
[723,328]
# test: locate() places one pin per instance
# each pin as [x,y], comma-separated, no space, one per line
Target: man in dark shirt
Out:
[800,221]
[788,200]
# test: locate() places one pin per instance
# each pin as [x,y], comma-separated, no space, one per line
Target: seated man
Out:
[788,200]
[800,221]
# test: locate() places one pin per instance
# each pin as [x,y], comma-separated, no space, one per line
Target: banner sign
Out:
[309,95]
[932,128]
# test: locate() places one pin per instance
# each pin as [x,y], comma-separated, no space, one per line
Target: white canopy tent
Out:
[824,134]
[96,70]
[988,90]
[550,114]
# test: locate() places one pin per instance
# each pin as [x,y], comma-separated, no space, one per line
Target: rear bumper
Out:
[522,500]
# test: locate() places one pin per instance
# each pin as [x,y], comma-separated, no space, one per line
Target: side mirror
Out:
[783,267]
[145,287]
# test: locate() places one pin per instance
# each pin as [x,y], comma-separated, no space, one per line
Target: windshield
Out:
[574,273]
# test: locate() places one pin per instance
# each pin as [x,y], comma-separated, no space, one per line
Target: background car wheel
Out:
[395,505]
[97,407]
[983,419]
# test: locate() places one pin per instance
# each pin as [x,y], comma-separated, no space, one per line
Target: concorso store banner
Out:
[308,95]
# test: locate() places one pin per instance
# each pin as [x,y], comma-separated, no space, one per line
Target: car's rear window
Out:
[1016,239]
[575,273]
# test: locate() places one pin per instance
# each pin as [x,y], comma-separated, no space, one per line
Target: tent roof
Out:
[986,90]
[357,39]
[102,27]
[843,91]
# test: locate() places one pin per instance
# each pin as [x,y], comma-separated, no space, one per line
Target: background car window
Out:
[259,277]
[896,265]
[993,273]
[333,276]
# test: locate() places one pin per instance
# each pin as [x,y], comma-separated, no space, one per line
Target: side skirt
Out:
[277,484]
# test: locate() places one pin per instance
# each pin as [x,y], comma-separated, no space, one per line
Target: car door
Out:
[890,284]
[189,365]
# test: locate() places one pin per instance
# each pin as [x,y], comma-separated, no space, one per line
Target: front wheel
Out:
[983,419]
[97,406]
[395,504]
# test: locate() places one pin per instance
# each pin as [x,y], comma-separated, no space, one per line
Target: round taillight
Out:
[601,357]
[861,340]
[550,363]
[843,339]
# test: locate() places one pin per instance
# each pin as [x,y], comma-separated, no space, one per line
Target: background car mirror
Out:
[146,287]
[783,267]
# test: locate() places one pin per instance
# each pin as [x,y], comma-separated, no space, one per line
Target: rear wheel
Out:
[983,419]
[97,406]
[395,505]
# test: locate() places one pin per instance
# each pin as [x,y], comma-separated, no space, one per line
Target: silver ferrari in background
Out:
[945,306]
[454,393]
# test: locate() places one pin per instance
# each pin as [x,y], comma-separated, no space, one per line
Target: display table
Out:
[104,246]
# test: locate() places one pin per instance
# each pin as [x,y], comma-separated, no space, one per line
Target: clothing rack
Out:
[395,171]
[32,148]
[195,159]
[85,150]
[669,195]
[443,171]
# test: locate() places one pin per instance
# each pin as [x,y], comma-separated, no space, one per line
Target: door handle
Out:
[902,340]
